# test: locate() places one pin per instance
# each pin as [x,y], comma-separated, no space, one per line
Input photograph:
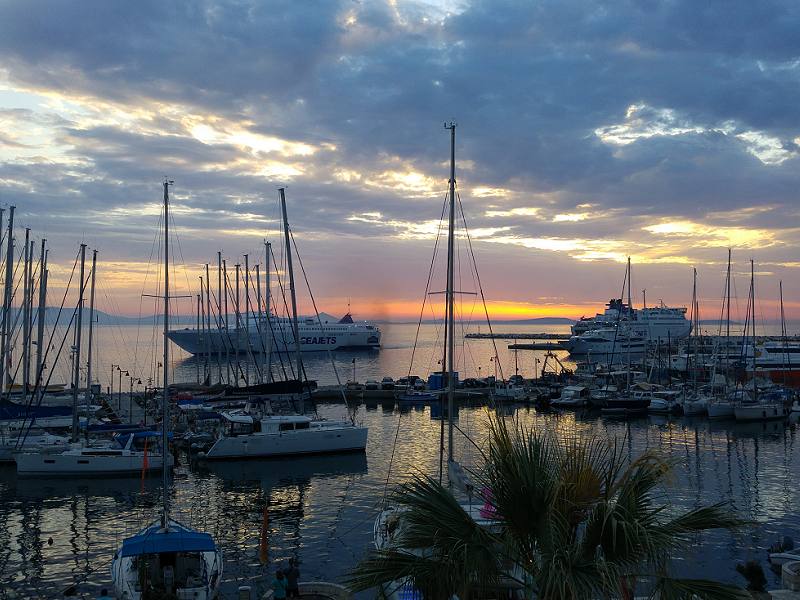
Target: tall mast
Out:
[165,400]
[199,333]
[227,332]
[9,284]
[208,326]
[295,325]
[728,298]
[78,335]
[237,309]
[88,396]
[219,315]
[753,313]
[42,309]
[450,293]
[268,309]
[259,319]
[26,332]
[630,326]
[247,317]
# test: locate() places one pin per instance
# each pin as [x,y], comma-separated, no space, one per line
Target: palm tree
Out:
[572,519]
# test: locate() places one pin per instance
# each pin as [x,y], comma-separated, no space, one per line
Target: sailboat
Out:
[387,529]
[167,559]
[767,406]
[122,457]
[244,435]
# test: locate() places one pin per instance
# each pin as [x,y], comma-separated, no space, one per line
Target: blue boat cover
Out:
[178,539]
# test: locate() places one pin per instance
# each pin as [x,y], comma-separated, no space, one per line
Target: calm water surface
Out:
[321,509]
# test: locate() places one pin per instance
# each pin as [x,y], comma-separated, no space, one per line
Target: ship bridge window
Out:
[370,327]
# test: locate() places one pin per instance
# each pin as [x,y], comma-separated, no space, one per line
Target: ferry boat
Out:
[325,333]
[652,323]
[779,361]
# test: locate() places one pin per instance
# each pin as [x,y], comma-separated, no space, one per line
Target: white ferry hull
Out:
[306,441]
[239,342]
[69,464]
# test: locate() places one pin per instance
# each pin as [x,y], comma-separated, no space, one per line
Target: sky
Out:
[587,132]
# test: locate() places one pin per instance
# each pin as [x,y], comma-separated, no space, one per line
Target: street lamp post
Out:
[120,388]
[111,392]
[130,405]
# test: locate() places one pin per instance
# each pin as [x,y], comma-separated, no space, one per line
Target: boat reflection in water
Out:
[272,472]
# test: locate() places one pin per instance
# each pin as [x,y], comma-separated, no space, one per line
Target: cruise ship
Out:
[652,323]
[325,333]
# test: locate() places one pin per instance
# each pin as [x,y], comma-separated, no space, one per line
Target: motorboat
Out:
[509,391]
[613,344]
[35,440]
[572,396]
[244,436]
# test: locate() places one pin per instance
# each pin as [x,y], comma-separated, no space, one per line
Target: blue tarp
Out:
[155,541]
[122,438]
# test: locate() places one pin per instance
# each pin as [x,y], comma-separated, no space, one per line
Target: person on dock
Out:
[279,586]
[292,577]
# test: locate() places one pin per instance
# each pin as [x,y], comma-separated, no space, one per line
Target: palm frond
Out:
[671,588]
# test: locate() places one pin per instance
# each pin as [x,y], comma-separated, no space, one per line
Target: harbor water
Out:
[320,510]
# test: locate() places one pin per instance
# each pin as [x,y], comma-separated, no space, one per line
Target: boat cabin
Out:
[235,423]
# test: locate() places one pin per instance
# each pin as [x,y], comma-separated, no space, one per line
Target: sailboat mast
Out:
[165,399]
[753,313]
[9,283]
[88,396]
[26,332]
[268,309]
[78,334]
[295,325]
[450,293]
[728,298]
[42,307]
[630,326]
[208,327]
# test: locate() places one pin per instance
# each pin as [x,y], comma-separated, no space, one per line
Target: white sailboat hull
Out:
[720,410]
[80,463]
[304,441]
[760,412]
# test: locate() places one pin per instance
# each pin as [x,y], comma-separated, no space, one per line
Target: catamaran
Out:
[167,559]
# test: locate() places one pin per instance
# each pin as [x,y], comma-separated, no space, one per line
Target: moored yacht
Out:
[122,458]
[609,344]
[245,436]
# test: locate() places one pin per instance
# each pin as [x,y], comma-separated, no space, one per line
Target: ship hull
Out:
[238,341]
